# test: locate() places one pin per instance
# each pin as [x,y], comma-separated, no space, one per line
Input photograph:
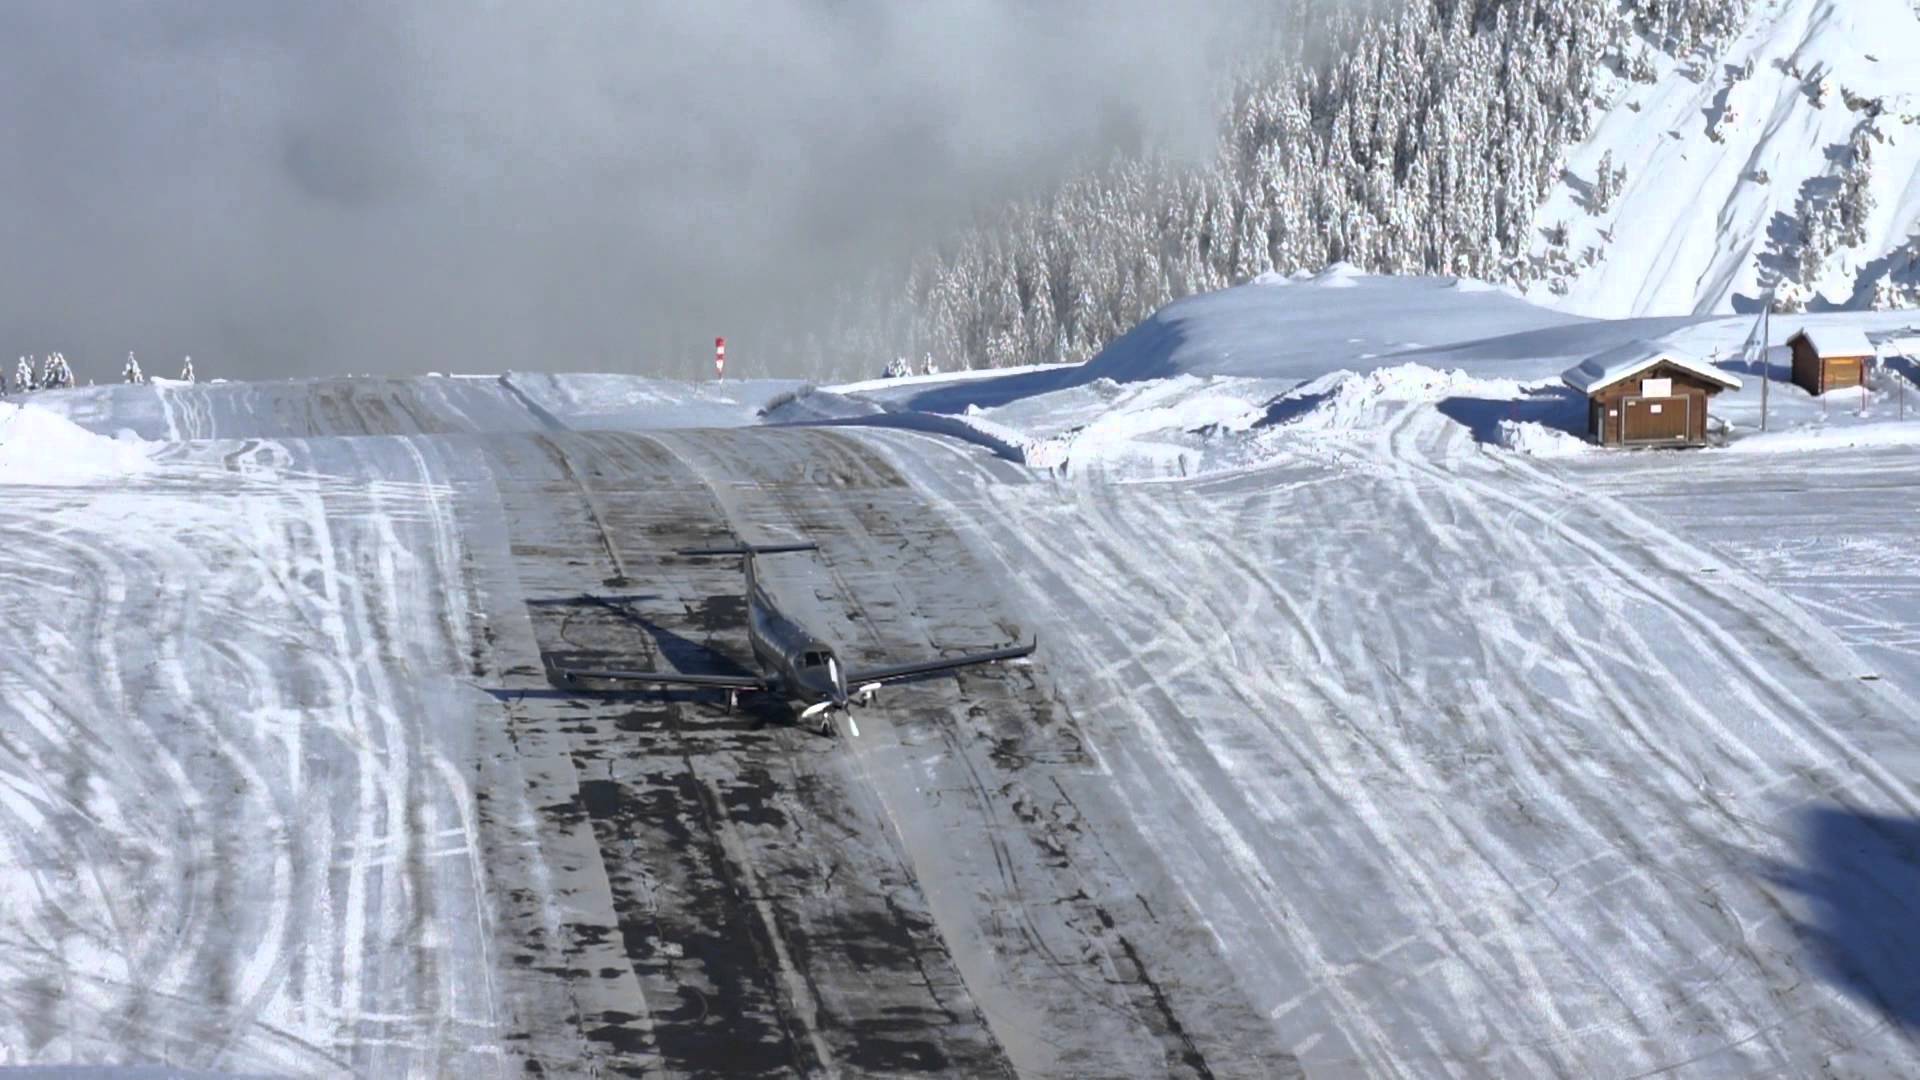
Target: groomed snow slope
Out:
[1695,227]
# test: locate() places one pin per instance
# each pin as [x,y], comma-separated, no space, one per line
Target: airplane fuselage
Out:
[804,666]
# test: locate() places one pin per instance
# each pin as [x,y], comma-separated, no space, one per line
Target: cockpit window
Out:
[813,659]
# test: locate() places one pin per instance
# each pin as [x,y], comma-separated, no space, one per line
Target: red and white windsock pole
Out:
[720,358]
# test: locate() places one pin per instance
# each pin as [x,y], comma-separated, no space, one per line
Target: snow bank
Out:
[940,378]
[1885,433]
[40,446]
[1540,440]
[1001,441]
[1152,424]
[1345,400]
[1337,319]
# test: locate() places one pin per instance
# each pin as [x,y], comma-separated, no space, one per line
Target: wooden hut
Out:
[1830,358]
[1642,394]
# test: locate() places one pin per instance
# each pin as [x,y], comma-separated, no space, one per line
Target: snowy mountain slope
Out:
[1717,164]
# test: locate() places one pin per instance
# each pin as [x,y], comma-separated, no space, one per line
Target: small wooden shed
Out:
[1830,358]
[1642,394]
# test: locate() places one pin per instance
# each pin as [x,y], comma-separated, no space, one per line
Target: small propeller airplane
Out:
[794,663]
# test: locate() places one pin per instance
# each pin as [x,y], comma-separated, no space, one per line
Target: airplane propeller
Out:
[824,710]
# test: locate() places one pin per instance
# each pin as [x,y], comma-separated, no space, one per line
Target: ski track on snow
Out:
[243,854]
[1469,767]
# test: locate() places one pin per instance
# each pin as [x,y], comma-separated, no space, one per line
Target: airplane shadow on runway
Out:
[673,651]
[1861,880]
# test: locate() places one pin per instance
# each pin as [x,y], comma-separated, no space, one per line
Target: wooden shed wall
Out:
[1817,375]
[1606,416]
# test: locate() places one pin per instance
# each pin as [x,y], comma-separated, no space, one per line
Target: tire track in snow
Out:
[1543,689]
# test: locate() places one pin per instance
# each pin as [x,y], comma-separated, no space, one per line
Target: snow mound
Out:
[41,446]
[1340,275]
[1337,319]
[1345,400]
[1539,440]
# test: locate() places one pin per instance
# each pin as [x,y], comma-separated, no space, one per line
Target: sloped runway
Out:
[931,895]
[1392,757]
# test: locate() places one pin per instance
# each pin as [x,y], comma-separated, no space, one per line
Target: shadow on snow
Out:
[1550,406]
[1860,879]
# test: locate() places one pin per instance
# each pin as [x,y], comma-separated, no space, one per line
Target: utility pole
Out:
[1766,361]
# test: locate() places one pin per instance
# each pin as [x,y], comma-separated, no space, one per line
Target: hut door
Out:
[1654,419]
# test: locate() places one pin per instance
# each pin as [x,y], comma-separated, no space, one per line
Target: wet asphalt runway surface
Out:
[955,890]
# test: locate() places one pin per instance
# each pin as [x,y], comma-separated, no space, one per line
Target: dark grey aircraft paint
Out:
[794,663]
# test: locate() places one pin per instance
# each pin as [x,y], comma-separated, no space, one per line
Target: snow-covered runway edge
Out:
[240,809]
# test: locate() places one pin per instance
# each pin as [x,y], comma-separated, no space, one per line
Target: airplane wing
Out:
[665,678]
[858,677]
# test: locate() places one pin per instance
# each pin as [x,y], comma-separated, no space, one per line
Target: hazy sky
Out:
[286,187]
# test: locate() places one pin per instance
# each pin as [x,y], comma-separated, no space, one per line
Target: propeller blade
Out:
[815,709]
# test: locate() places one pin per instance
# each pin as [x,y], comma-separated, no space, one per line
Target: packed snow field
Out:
[1379,725]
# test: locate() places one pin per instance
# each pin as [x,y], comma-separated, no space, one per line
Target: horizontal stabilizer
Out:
[574,676]
[750,549]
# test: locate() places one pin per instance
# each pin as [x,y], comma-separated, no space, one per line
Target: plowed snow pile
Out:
[38,446]
[1345,400]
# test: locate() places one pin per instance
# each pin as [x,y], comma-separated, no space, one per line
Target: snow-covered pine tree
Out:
[897,368]
[186,370]
[23,377]
[54,372]
[1640,69]
[928,367]
[1606,184]
[1822,90]
[1791,298]
[131,373]
[1856,202]
[1328,152]
[1890,295]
